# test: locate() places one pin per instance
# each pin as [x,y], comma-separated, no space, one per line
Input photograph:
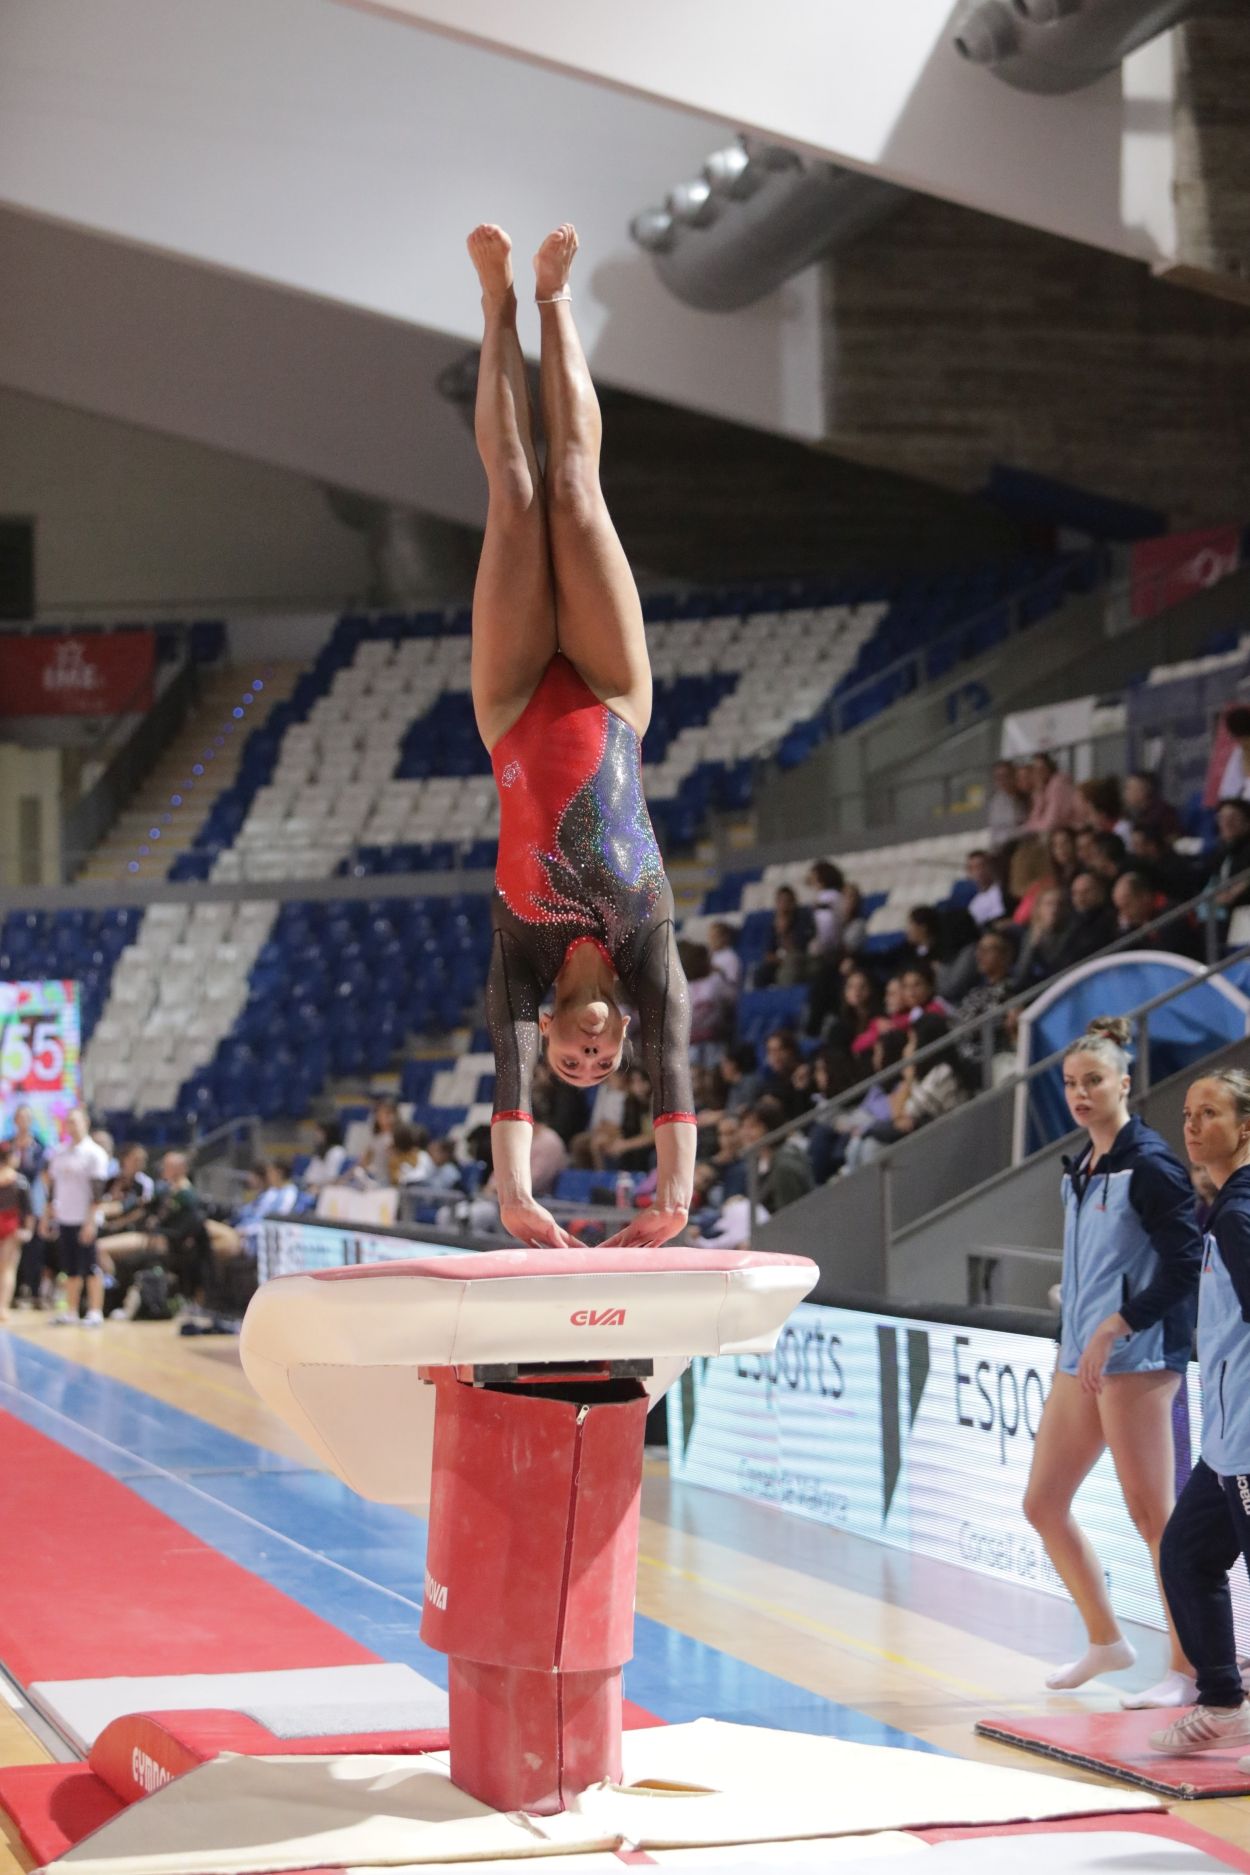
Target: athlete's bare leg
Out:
[598,612]
[1136,1412]
[1070,1440]
[514,615]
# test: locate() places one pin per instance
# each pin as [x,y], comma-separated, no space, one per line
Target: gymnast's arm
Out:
[513,995]
[659,989]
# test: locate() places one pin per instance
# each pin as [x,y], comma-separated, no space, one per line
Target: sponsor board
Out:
[914,1434]
[40,1053]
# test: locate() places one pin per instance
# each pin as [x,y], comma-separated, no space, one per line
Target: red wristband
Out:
[675,1119]
[516,1114]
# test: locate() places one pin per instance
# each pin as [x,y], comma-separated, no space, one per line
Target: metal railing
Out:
[978,1034]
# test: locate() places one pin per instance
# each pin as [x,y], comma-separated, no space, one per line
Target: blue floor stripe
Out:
[244,1501]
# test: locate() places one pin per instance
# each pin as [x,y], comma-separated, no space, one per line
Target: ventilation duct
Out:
[757,215]
[1064,45]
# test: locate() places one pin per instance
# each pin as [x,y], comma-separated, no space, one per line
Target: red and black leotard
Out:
[578,859]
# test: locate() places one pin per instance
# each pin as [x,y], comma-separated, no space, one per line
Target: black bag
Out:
[153,1287]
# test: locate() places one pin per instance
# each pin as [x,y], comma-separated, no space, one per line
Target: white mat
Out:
[727,1784]
[354,1696]
[1101,1852]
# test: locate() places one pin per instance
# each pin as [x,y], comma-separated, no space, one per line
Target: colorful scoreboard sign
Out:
[40,1053]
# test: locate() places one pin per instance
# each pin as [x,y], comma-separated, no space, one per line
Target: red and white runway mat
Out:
[685,1787]
[1118,1745]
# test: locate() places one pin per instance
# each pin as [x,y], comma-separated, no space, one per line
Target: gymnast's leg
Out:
[514,619]
[598,613]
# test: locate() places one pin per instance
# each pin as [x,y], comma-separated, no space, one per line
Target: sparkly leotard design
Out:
[578,859]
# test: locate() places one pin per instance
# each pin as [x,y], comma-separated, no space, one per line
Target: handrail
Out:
[985,1024]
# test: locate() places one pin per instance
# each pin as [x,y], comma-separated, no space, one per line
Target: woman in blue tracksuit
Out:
[1132,1251]
[1210,1526]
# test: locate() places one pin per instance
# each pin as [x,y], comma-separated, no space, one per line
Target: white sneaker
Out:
[1206,1728]
[62,1319]
[93,1319]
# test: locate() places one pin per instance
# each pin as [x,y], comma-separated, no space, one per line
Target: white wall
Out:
[30,774]
[875,84]
[335,154]
[126,519]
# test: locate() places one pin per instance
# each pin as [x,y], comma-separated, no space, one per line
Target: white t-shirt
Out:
[987,905]
[75,1171]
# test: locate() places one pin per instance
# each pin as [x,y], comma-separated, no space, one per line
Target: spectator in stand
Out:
[782,1055]
[924,1091]
[1235,781]
[1232,856]
[739,1070]
[988,903]
[1053,802]
[1030,875]
[1136,903]
[634,1151]
[854,922]
[548,1158]
[1062,855]
[446,1174]
[893,1016]
[711,1004]
[558,1102]
[785,1172]
[329,1155]
[77,1171]
[828,908]
[1169,872]
[731,1171]
[1145,806]
[722,941]
[408,1162]
[995,959]
[1008,806]
[918,989]
[788,958]
[374,1152]
[1105,853]
[16,1222]
[842,1007]
[1093,923]
[1043,947]
[1102,805]
[944,940]
[607,1108]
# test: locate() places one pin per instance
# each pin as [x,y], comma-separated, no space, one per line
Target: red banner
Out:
[1163,572]
[89,674]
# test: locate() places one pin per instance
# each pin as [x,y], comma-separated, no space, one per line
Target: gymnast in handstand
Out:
[562,697]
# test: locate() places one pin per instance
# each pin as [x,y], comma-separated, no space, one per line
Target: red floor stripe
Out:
[105,1585]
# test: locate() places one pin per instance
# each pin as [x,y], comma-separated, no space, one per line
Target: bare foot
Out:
[490,250]
[553,261]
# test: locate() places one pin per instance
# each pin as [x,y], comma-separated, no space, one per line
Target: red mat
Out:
[53,1806]
[1170,1828]
[1117,1744]
[109,1586]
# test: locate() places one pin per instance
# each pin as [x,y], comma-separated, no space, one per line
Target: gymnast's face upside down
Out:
[585,1040]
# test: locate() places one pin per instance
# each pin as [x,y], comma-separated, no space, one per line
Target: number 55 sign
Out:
[39,1045]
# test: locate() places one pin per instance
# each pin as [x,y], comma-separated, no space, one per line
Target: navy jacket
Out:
[1131,1243]
[1224,1330]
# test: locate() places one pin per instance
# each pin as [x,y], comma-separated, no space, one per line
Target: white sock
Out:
[1109,1658]
[1174,1689]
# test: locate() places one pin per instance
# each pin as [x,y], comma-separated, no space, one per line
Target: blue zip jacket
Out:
[1131,1243]
[1224,1330]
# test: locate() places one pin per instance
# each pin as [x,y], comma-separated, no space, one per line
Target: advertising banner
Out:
[1165,571]
[289,1246]
[90,674]
[40,1054]
[915,1434]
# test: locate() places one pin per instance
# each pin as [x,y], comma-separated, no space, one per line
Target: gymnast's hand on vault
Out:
[534,1226]
[649,1229]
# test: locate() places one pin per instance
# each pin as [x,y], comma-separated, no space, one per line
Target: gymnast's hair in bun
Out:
[1107,1037]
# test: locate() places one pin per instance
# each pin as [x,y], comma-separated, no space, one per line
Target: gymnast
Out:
[562,695]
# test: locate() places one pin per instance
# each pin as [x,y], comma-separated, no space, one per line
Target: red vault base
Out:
[530,1576]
